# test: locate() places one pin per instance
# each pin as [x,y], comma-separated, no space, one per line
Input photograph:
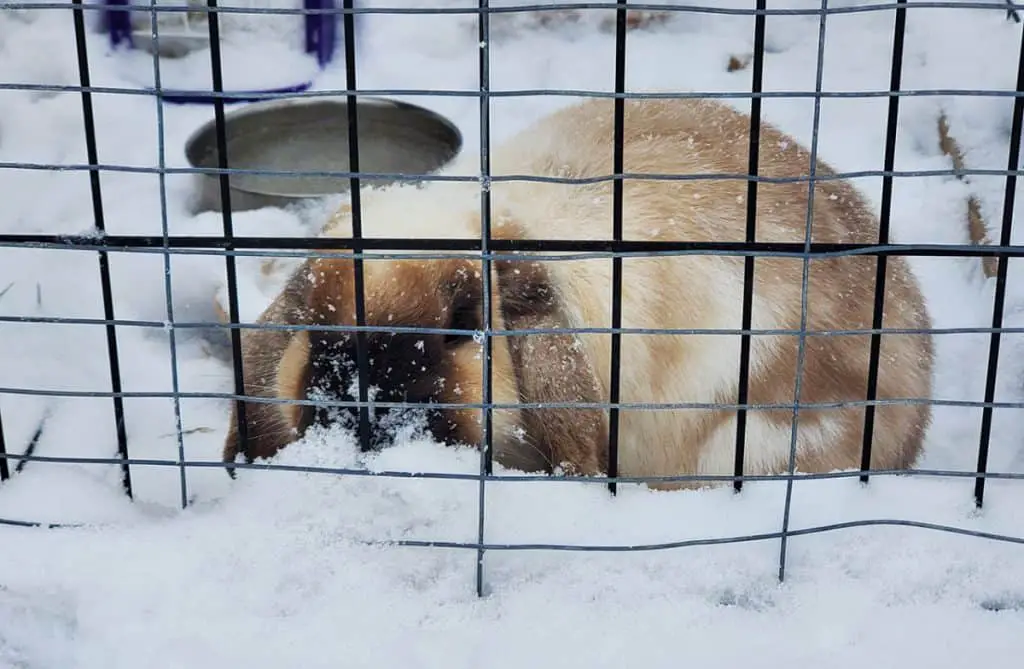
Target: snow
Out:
[288,568]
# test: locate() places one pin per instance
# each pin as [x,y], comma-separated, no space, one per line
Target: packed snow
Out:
[300,569]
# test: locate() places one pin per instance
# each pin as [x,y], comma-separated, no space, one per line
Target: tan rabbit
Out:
[670,291]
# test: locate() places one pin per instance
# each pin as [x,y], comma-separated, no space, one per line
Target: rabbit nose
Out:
[380,435]
[382,426]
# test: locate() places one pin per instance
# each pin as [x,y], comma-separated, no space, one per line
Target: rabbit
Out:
[703,291]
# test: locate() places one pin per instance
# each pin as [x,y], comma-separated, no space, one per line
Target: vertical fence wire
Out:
[100,225]
[802,337]
[1009,198]
[486,455]
[5,472]
[751,237]
[617,196]
[352,110]
[172,341]
[892,122]
[1011,11]
[217,80]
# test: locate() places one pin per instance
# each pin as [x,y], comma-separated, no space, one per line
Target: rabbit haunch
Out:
[671,291]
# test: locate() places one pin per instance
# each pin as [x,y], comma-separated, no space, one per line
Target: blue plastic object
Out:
[321,41]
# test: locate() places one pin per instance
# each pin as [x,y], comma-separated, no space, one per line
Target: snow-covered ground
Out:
[282,569]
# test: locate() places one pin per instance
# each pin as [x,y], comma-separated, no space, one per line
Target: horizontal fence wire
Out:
[521,93]
[515,248]
[630,548]
[526,478]
[397,329]
[603,406]
[624,548]
[367,249]
[502,178]
[483,9]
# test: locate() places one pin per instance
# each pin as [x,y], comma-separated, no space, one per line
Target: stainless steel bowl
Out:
[311,134]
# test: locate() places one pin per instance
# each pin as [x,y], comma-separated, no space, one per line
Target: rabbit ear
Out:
[267,425]
[552,368]
[330,291]
[275,362]
[327,288]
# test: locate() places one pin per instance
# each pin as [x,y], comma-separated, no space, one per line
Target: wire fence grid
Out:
[487,250]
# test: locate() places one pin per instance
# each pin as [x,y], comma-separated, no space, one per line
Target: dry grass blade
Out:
[975,223]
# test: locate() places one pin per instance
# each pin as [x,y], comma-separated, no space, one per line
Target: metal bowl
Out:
[311,134]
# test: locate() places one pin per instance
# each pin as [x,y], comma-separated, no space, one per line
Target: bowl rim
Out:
[209,127]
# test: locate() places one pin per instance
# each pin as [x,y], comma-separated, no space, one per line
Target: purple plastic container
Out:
[321,40]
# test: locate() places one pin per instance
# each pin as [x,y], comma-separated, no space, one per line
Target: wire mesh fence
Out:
[489,249]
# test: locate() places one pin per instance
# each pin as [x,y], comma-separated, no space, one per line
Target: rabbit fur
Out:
[685,292]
